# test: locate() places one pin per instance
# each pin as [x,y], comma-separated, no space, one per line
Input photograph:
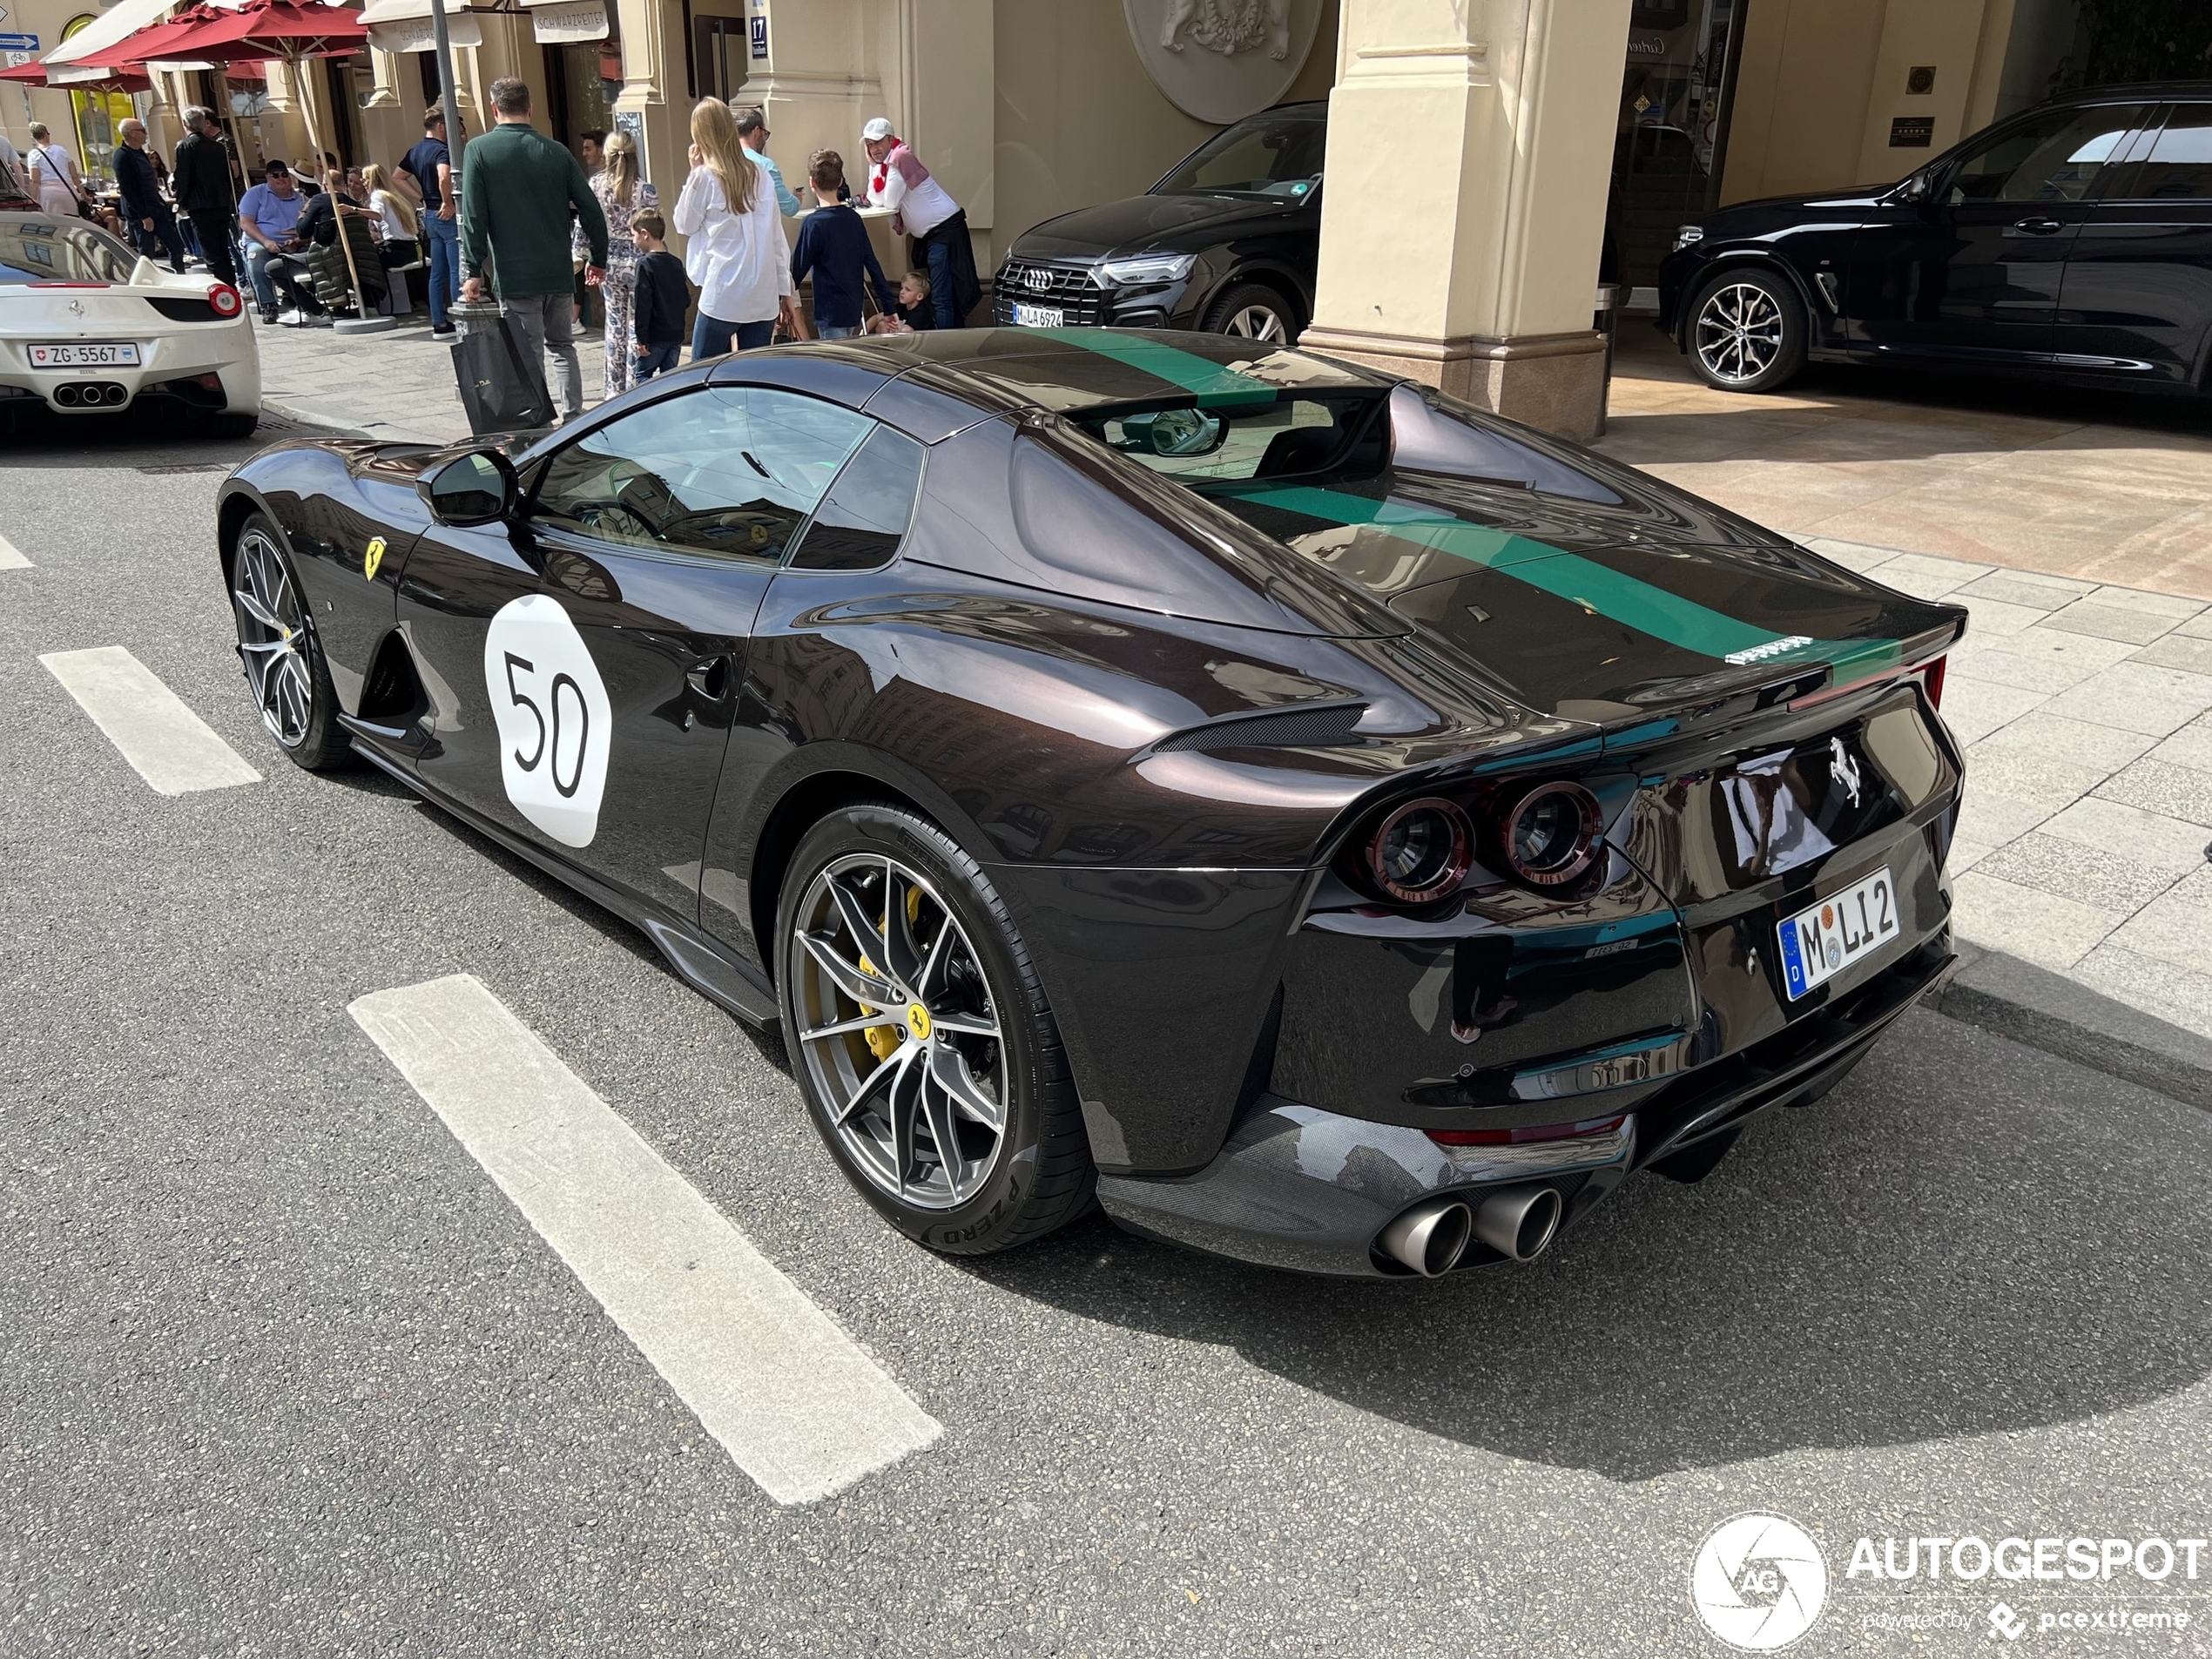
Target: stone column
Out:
[653,88]
[387,126]
[823,80]
[1469,144]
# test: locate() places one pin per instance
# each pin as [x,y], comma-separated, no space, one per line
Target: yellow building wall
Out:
[1820,82]
[1079,121]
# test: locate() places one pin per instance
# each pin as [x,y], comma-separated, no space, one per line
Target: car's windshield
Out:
[1277,156]
[51,250]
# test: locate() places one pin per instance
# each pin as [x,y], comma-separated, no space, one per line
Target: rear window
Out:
[1293,436]
[47,250]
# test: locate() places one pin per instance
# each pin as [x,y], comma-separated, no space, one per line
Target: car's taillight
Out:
[1931,681]
[1549,835]
[1525,1136]
[1421,851]
[223,300]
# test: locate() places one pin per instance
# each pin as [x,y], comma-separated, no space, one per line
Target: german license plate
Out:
[1848,926]
[1039,316]
[86,354]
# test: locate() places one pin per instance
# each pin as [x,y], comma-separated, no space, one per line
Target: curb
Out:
[2031,1005]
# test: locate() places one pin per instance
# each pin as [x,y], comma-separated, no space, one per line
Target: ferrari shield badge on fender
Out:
[373,557]
[555,723]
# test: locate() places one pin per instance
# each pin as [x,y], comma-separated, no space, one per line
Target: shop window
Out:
[1672,131]
[97,116]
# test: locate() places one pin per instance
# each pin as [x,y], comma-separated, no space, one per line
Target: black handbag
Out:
[502,381]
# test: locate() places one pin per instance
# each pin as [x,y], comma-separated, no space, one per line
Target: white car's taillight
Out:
[223,299]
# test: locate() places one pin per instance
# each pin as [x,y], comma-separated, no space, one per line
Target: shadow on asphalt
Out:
[1936,1250]
[40,438]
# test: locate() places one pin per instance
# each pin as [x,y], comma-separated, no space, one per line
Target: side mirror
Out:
[472,489]
[1918,188]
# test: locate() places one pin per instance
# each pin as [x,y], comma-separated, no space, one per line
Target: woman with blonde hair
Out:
[621,193]
[393,209]
[736,254]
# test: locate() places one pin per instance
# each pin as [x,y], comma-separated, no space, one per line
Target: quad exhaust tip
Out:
[1431,1237]
[1517,1222]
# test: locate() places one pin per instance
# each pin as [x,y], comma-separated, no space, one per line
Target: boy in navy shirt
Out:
[658,298]
[833,246]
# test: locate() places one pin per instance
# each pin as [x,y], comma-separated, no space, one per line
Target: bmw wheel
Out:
[921,1039]
[1748,332]
[282,656]
[1253,311]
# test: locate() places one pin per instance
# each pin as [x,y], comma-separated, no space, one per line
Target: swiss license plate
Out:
[1842,928]
[86,354]
[1039,316]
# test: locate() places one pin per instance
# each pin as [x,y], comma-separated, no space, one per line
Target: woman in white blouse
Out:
[736,252]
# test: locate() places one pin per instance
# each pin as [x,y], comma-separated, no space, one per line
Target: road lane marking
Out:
[10,559]
[795,1402]
[172,748]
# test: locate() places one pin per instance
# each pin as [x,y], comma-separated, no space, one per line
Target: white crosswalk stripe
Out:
[796,1403]
[11,558]
[172,748]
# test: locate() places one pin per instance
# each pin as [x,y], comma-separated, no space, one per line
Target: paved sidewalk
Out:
[2084,714]
[399,385]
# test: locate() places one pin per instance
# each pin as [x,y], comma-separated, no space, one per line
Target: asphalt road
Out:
[282,1371]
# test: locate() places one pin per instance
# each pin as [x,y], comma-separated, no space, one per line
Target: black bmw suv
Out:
[1227,242]
[2072,241]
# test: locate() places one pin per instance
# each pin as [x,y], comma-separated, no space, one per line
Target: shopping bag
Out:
[502,381]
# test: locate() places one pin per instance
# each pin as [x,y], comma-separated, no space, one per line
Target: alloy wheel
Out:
[1739,332]
[897,1032]
[1257,322]
[272,639]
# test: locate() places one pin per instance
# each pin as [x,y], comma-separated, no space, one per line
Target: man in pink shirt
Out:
[921,209]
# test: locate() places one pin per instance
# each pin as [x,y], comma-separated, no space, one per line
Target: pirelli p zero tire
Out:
[920,1037]
[1747,331]
[280,650]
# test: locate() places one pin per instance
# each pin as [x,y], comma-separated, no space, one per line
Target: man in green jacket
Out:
[516,192]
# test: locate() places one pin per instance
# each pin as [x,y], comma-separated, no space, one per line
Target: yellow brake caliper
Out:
[884,1040]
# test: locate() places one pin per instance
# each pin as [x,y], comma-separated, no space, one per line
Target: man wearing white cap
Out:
[919,208]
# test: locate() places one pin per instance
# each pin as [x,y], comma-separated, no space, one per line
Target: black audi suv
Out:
[2072,241]
[1227,242]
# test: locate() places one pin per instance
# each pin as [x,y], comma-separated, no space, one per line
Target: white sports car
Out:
[89,326]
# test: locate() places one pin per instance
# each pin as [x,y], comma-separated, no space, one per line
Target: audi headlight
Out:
[1684,235]
[1146,270]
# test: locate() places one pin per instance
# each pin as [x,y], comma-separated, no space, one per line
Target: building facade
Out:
[1508,154]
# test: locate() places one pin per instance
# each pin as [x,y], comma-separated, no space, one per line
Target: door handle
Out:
[2038,227]
[710,679]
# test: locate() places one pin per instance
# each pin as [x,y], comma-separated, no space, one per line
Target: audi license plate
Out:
[1845,927]
[86,354]
[1039,316]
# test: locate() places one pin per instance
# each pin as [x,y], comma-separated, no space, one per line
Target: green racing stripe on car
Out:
[1215,387]
[1598,588]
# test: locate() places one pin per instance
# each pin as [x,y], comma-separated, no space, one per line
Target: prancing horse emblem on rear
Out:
[1843,769]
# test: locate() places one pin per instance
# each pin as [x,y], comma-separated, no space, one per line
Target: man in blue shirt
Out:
[269,214]
[752,132]
[833,246]
[430,166]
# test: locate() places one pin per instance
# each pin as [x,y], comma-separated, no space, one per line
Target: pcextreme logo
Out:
[1759,1582]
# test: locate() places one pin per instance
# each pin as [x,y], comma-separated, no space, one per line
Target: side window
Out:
[731,471]
[2179,166]
[2056,159]
[864,518]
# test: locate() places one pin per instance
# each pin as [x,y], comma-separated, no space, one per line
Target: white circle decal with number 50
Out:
[554,720]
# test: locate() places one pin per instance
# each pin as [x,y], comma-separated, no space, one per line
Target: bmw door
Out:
[2137,300]
[591,649]
[1972,270]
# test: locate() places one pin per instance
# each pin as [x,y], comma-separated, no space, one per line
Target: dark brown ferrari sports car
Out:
[1318,821]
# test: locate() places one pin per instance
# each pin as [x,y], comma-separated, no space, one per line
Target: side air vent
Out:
[1285,729]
